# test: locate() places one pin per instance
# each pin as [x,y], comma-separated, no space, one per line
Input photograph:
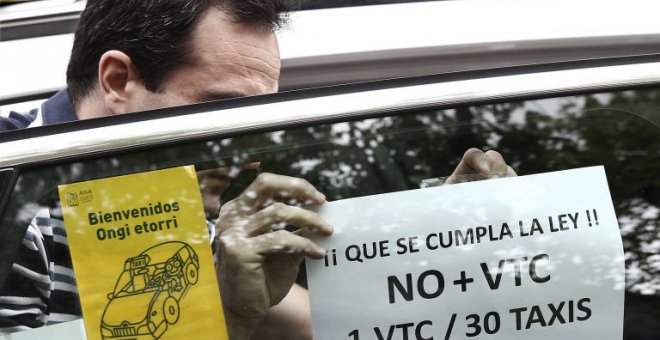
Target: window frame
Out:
[225,118]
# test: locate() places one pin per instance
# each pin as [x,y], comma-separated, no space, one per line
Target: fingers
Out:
[484,164]
[250,217]
[477,161]
[471,163]
[284,242]
[233,250]
[495,161]
[270,187]
[510,172]
[257,267]
[262,221]
[259,207]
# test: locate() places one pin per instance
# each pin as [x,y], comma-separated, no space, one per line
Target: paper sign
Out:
[142,257]
[533,257]
[70,330]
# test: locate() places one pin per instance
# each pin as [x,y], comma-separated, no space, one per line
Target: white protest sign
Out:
[533,257]
[70,330]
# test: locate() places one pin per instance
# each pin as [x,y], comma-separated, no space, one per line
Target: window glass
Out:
[372,156]
[5,177]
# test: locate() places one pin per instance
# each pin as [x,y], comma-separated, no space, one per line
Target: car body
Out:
[551,85]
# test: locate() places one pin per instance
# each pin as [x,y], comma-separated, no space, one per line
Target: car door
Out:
[378,138]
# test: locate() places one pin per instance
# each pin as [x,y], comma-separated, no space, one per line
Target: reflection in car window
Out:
[348,159]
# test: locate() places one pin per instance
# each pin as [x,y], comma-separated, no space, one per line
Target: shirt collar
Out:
[58,109]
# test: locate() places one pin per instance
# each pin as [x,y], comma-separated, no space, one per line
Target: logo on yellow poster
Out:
[72,199]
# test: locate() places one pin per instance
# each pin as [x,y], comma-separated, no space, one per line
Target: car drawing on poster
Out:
[147,296]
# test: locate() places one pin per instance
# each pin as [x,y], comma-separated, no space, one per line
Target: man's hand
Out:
[256,265]
[481,164]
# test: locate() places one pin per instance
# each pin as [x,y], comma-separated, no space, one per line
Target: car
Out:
[384,105]
[153,280]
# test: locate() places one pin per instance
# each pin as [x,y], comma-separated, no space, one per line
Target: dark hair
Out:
[155,34]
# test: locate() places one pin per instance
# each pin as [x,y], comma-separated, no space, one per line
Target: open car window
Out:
[391,152]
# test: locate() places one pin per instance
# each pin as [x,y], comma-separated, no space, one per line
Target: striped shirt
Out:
[41,288]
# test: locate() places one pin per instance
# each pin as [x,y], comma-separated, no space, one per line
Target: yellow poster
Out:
[142,257]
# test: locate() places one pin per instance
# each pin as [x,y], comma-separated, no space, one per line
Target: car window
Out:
[400,150]
[5,177]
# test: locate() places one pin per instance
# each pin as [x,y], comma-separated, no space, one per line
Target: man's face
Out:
[229,60]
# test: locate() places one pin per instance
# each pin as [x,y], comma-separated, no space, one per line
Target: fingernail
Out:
[319,252]
[484,166]
[320,197]
[329,230]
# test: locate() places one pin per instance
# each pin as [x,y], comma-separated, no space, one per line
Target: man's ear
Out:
[118,81]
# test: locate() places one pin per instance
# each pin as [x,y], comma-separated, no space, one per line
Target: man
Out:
[140,55]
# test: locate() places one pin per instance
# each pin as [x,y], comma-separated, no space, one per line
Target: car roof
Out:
[163,252]
[344,45]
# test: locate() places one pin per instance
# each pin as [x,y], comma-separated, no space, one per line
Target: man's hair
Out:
[155,34]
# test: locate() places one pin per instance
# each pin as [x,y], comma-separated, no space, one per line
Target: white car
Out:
[386,98]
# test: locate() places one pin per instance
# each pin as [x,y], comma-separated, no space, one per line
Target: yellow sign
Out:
[142,257]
